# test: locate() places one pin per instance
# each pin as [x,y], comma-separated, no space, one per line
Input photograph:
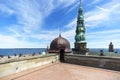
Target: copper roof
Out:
[60,43]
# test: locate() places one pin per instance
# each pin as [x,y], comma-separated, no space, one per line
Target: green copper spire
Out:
[80,12]
[80,29]
[80,43]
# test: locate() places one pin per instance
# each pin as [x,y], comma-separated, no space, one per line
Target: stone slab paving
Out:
[63,71]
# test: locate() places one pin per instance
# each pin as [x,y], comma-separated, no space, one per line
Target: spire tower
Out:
[80,43]
[80,29]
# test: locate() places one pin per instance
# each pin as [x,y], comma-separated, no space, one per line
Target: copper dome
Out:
[60,43]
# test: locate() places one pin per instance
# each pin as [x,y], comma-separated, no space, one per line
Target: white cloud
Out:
[103,38]
[106,32]
[13,42]
[96,1]
[108,15]
[9,41]
[28,15]
[67,2]
[5,9]
[101,15]
[45,35]
[104,13]
[103,43]
[31,13]
[69,35]
[72,24]
[73,7]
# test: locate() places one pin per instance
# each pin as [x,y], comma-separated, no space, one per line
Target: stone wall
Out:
[94,61]
[8,68]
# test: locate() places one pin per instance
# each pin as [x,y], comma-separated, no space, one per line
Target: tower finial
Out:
[80,3]
[60,35]
[80,8]
[59,31]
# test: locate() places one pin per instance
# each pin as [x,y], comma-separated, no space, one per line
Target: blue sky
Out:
[35,23]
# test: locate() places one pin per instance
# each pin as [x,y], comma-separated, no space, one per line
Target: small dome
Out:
[60,43]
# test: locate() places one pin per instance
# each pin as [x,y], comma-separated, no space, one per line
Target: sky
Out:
[35,23]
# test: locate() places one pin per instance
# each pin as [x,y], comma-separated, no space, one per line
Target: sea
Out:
[17,51]
[117,50]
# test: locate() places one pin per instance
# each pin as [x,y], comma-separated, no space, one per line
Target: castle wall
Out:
[94,61]
[12,67]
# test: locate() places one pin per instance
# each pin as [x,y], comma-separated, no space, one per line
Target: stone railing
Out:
[15,65]
[94,61]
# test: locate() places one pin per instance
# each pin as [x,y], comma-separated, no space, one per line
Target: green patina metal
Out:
[80,29]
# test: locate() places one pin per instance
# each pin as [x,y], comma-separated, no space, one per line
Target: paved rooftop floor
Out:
[63,71]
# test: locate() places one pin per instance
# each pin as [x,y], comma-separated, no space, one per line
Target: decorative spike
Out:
[59,31]
[60,35]
[80,3]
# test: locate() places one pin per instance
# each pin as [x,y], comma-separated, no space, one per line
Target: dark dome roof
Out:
[60,43]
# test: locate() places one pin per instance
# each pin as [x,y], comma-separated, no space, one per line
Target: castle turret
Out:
[111,47]
[80,43]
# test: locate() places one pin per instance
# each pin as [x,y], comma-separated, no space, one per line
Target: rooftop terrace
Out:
[63,71]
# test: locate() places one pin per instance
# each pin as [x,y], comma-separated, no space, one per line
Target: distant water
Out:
[17,51]
[104,50]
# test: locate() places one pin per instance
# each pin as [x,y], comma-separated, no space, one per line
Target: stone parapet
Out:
[112,63]
[17,65]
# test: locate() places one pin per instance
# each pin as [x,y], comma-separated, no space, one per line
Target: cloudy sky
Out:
[35,23]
